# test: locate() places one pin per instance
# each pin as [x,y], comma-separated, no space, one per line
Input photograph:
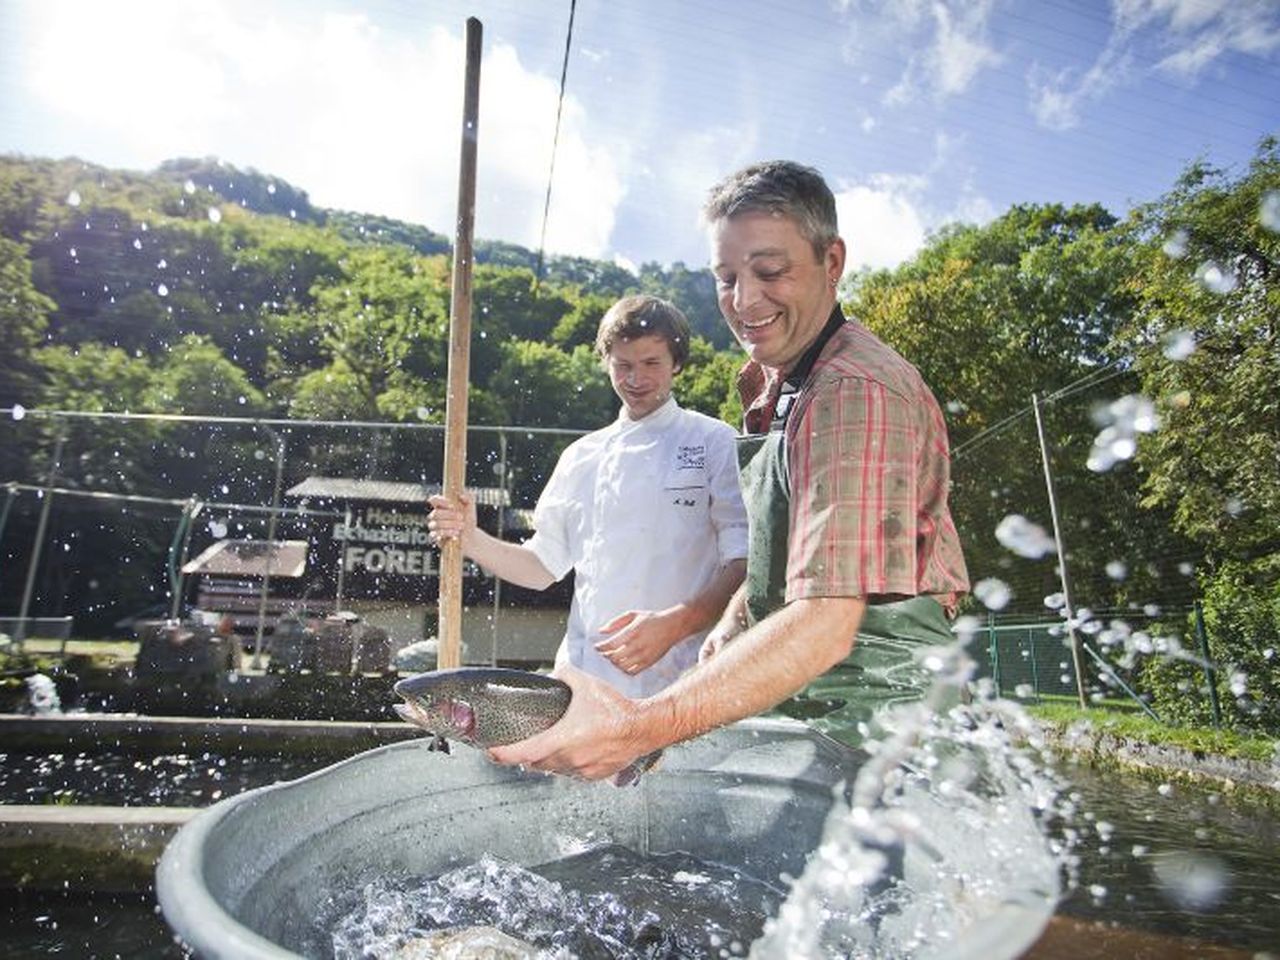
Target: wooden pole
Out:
[449,651]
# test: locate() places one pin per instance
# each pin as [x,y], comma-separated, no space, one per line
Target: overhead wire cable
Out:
[555,142]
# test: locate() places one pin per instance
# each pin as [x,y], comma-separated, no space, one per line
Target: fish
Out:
[490,707]
[467,943]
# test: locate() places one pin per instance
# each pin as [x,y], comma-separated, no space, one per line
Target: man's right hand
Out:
[451,519]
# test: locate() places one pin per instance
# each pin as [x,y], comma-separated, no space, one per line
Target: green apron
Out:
[882,670]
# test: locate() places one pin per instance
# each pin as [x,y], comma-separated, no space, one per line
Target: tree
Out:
[1205,337]
[24,313]
[708,382]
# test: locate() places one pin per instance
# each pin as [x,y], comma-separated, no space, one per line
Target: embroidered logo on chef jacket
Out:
[684,488]
[690,457]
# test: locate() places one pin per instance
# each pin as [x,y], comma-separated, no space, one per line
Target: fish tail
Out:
[629,776]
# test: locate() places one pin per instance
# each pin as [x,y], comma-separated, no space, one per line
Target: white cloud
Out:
[959,50]
[1186,36]
[360,118]
[881,223]
[950,37]
[1198,32]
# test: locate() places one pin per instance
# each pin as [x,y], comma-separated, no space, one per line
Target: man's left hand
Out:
[638,639]
[597,736]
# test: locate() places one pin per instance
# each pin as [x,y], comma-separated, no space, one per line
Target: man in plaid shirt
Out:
[853,561]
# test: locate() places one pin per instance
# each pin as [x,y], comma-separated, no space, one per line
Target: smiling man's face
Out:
[774,293]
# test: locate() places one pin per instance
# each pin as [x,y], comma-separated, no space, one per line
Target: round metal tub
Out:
[248,877]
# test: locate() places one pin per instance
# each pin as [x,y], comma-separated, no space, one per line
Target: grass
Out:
[1135,725]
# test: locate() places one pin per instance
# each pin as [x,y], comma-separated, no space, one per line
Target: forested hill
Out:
[289,309]
[1150,336]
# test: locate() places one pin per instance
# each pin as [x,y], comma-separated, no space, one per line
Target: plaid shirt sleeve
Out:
[853,465]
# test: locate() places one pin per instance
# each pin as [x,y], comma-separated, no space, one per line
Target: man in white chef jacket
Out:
[646,511]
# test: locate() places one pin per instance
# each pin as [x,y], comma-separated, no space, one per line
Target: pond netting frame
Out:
[515,469]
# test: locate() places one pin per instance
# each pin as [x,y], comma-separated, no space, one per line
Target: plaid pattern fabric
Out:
[869,472]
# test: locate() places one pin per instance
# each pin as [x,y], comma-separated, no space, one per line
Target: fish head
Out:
[436,708]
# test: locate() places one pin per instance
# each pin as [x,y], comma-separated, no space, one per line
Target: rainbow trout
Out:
[490,706]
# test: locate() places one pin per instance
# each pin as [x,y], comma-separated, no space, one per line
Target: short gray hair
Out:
[779,187]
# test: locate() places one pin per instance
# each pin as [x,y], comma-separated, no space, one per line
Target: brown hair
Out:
[643,315]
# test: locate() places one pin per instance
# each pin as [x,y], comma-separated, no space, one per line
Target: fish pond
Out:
[1162,870]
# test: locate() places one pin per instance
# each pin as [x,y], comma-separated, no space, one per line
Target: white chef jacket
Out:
[645,512]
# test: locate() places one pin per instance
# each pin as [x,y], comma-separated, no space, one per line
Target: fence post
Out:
[993,651]
[1035,666]
[20,628]
[1068,606]
[1210,674]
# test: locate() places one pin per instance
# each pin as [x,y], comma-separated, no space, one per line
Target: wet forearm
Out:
[768,663]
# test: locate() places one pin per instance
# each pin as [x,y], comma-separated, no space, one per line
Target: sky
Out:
[918,112]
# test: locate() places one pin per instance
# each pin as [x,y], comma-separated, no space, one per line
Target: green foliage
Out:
[24,312]
[708,382]
[1209,273]
[578,327]
[1242,626]
[1204,338]
[195,376]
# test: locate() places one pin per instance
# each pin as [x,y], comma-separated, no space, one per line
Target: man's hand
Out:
[451,520]
[639,639]
[715,642]
[598,735]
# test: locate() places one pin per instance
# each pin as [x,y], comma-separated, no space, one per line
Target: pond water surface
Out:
[1165,871]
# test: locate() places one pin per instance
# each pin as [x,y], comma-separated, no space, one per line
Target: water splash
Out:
[1178,344]
[1216,278]
[1175,247]
[995,594]
[1122,421]
[1018,534]
[42,696]
[1269,210]
[911,867]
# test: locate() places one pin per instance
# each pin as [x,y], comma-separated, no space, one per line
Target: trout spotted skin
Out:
[491,707]
[482,706]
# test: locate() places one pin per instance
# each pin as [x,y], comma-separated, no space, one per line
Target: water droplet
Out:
[73,198]
[189,187]
[1215,277]
[1178,344]
[162,290]
[1193,881]
[217,529]
[1269,210]
[19,411]
[215,215]
[1018,534]
[994,594]
[1176,245]
[1055,601]
[1121,420]
[271,188]
[1117,570]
